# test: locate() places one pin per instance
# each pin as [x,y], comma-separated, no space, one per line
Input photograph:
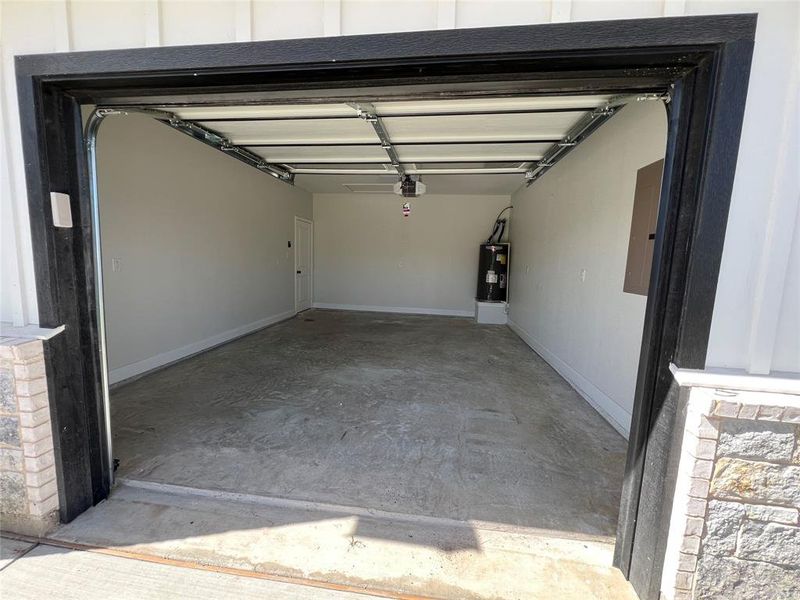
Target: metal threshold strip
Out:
[122,552]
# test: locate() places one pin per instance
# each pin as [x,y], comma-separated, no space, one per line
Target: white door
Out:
[303,264]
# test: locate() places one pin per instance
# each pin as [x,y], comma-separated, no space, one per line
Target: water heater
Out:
[493,272]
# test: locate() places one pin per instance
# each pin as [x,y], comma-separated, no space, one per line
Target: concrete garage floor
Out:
[421,415]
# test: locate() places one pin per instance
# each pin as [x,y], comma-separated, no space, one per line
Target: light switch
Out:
[62,214]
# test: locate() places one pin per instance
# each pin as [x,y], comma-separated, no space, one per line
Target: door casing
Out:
[704,62]
[297,306]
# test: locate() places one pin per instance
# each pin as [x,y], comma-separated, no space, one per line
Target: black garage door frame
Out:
[703,62]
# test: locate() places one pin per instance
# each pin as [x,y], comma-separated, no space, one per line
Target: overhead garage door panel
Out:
[320,154]
[288,132]
[277,111]
[487,127]
[342,166]
[464,152]
[486,105]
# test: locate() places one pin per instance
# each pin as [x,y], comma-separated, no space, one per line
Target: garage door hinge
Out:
[664,97]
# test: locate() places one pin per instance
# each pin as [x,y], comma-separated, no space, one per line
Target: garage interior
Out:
[290,326]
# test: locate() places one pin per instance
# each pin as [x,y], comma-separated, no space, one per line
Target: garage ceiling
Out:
[365,146]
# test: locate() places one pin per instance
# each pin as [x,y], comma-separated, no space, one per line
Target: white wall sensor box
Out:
[62,214]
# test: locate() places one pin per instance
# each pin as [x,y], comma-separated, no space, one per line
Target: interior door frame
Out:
[703,61]
[310,223]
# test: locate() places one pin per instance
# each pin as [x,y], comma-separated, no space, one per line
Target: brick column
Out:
[28,487]
[735,529]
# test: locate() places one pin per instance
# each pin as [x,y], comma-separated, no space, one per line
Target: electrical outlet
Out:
[116,265]
[583,275]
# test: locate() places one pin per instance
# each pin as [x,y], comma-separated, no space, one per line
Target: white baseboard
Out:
[398,309]
[612,412]
[171,356]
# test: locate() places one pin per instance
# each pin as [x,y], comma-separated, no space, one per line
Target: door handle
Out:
[299,272]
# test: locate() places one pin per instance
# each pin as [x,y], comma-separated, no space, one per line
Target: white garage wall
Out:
[756,312]
[202,244]
[368,256]
[569,248]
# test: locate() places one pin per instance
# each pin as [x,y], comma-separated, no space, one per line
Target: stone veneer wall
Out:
[736,521]
[28,487]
